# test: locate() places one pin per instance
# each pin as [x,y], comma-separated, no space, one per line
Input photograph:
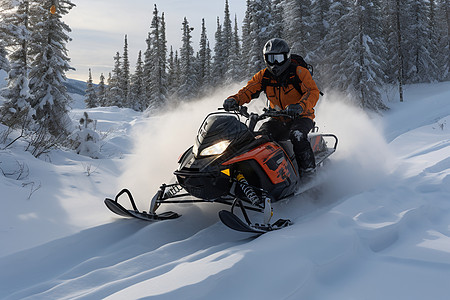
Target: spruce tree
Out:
[219,70]
[4,62]
[90,97]
[101,91]
[298,14]
[17,110]
[364,78]
[235,71]
[188,75]
[137,88]
[124,80]
[115,95]
[172,75]
[277,15]
[155,62]
[258,25]
[50,63]
[203,75]
[416,42]
[227,38]
[443,36]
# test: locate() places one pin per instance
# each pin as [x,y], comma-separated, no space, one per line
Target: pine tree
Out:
[124,80]
[162,54]
[17,110]
[4,62]
[155,62]
[330,67]
[172,74]
[50,62]
[235,71]
[227,38]
[257,24]
[246,41]
[219,70]
[416,33]
[101,91]
[365,77]
[299,28]
[188,76]
[90,97]
[393,36]
[203,74]
[443,33]
[137,88]
[115,93]
[277,16]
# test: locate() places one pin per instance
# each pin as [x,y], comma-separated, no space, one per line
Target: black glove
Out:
[294,110]
[230,104]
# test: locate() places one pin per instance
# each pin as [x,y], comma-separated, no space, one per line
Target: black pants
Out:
[297,131]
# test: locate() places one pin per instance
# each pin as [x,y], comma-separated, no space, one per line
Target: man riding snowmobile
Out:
[289,87]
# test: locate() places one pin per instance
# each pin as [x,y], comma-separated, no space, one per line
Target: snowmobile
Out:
[232,164]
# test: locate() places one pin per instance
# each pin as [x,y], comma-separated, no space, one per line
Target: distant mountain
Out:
[76,86]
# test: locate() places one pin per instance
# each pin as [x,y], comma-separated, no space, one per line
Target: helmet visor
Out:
[276,59]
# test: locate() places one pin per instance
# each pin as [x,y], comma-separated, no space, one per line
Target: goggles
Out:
[277,59]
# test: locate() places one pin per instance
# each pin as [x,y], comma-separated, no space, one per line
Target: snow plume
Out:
[159,141]
[362,159]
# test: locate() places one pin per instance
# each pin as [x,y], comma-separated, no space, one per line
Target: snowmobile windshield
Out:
[217,132]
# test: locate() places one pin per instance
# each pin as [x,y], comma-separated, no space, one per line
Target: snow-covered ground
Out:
[378,228]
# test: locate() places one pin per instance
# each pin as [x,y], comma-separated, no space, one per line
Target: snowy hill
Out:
[378,228]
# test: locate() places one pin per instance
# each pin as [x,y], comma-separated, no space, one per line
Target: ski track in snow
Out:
[375,227]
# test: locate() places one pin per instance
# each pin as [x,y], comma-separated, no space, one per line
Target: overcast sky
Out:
[99,26]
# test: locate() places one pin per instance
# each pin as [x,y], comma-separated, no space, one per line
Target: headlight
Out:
[215,149]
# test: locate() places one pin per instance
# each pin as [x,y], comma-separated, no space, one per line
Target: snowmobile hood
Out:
[218,128]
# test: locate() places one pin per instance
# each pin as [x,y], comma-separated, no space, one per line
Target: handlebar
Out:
[255,118]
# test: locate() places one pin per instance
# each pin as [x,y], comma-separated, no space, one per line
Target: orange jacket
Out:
[281,97]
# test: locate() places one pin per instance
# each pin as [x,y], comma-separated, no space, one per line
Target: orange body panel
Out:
[270,157]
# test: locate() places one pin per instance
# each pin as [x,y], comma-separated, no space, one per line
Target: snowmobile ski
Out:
[118,209]
[233,222]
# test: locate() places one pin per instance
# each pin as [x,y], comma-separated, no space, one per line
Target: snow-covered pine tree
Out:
[4,62]
[48,68]
[162,54]
[85,140]
[172,74]
[115,96]
[258,23]
[124,80]
[277,15]
[364,77]
[155,63]
[235,71]
[90,97]
[393,38]
[188,75]
[298,28]
[320,25]
[218,73]
[137,88]
[202,58]
[443,32]
[101,91]
[15,27]
[227,39]
[329,67]
[246,42]
[416,42]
